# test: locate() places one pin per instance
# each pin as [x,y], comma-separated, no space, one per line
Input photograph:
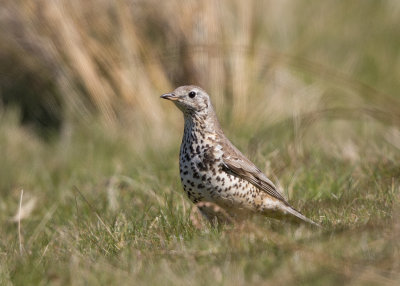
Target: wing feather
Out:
[237,164]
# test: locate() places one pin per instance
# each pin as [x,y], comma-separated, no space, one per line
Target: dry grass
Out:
[308,91]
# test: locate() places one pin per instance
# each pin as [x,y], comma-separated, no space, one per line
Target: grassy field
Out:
[89,176]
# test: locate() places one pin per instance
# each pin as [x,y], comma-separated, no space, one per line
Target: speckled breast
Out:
[203,178]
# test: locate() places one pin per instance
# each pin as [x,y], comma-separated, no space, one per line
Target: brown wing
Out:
[237,164]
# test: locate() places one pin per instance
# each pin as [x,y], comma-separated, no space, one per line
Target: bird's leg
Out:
[212,212]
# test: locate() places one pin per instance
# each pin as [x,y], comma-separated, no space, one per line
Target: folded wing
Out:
[237,164]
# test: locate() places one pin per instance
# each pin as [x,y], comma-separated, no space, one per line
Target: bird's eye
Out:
[192,94]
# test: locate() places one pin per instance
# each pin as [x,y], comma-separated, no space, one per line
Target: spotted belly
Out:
[210,183]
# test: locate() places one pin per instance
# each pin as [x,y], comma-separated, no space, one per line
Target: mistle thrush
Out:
[213,170]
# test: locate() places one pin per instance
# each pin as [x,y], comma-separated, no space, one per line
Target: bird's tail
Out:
[296,216]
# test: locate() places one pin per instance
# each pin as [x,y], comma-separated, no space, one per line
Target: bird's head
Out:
[189,99]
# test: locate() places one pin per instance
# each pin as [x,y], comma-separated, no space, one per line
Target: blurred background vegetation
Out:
[308,89]
[71,59]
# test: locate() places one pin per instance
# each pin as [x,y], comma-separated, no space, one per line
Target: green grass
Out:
[108,212]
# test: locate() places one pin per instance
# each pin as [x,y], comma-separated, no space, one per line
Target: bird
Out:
[213,170]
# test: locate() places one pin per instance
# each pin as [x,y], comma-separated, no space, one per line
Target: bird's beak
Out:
[169,96]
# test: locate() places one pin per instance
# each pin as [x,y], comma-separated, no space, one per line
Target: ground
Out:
[99,209]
